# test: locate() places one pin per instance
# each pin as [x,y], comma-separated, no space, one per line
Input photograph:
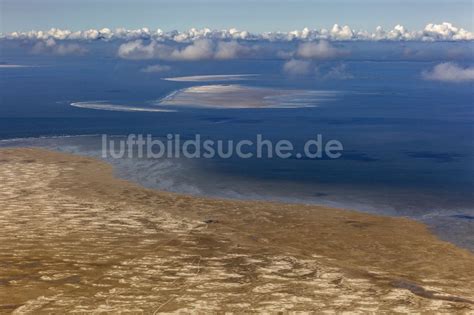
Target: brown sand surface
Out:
[75,239]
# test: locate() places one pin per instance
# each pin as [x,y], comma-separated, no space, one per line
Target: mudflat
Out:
[76,239]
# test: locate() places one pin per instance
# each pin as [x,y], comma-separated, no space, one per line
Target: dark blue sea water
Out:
[408,142]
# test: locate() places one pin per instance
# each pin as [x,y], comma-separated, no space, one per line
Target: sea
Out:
[408,142]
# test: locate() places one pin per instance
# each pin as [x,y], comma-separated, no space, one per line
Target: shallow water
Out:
[449,217]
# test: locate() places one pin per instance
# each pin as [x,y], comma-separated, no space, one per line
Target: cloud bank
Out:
[200,49]
[206,49]
[449,72]
[432,32]
[50,46]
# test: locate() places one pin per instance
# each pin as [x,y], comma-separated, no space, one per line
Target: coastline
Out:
[79,239]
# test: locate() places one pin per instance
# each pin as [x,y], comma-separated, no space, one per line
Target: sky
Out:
[254,16]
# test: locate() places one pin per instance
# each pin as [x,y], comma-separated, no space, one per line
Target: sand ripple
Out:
[76,240]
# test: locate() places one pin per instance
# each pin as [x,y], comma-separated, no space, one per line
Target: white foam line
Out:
[167,97]
[48,137]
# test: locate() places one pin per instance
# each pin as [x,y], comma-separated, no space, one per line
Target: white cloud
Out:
[449,72]
[431,32]
[231,50]
[338,72]
[446,31]
[138,50]
[50,46]
[425,52]
[69,49]
[317,50]
[297,67]
[343,33]
[156,68]
[198,50]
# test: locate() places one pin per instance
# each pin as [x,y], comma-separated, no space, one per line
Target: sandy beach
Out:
[76,239]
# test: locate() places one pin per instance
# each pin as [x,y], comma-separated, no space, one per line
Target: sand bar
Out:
[213,78]
[76,239]
[235,96]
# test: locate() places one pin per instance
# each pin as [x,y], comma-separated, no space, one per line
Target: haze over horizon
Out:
[264,16]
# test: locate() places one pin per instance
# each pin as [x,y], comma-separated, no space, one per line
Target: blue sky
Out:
[256,16]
